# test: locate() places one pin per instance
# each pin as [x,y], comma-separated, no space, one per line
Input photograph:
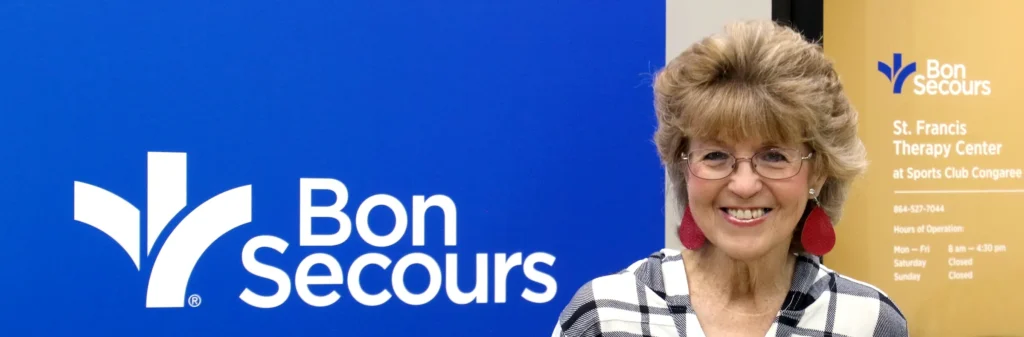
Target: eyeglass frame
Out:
[753,166]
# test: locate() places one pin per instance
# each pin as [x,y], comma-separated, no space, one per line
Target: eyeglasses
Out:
[773,163]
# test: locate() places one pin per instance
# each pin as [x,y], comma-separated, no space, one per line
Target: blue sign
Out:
[268,168]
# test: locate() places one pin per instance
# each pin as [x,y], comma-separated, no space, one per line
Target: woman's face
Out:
[745,214]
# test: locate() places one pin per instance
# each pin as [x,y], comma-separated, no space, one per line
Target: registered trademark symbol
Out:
[194,300]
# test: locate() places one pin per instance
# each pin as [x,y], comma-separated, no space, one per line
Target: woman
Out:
[760,143]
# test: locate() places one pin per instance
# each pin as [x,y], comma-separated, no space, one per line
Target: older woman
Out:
[760,143]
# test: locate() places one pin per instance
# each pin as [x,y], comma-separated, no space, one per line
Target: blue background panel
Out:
[534,117]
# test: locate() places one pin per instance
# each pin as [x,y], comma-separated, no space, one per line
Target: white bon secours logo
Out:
[212,219]
[446,273]
[949,79]
[166,196]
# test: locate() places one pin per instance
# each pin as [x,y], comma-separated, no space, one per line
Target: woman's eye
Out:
[715,156]
[775,156]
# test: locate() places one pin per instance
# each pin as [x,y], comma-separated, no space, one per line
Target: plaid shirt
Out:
[638,302]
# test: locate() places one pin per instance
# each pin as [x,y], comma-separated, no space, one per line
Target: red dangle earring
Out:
[689,234]
[818,236]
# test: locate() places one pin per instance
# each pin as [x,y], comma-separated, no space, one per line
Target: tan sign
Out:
[934,222]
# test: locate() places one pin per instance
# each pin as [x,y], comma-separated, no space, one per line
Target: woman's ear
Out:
[817,182]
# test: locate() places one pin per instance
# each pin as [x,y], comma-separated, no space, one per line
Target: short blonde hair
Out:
[759,79]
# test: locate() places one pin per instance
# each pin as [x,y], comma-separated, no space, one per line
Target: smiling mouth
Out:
[746,214]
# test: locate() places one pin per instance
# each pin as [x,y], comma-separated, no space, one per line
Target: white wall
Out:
[686,22]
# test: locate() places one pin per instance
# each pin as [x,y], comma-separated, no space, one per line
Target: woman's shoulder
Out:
[826,300]
[623,297]
[820,299]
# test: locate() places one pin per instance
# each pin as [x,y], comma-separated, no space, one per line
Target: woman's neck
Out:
[755,286]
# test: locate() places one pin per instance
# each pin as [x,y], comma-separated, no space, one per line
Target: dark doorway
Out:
[805,16]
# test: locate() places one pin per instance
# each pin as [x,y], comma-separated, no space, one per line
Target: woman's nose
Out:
[745,182]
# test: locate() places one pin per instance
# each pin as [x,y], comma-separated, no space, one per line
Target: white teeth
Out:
[746,214]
